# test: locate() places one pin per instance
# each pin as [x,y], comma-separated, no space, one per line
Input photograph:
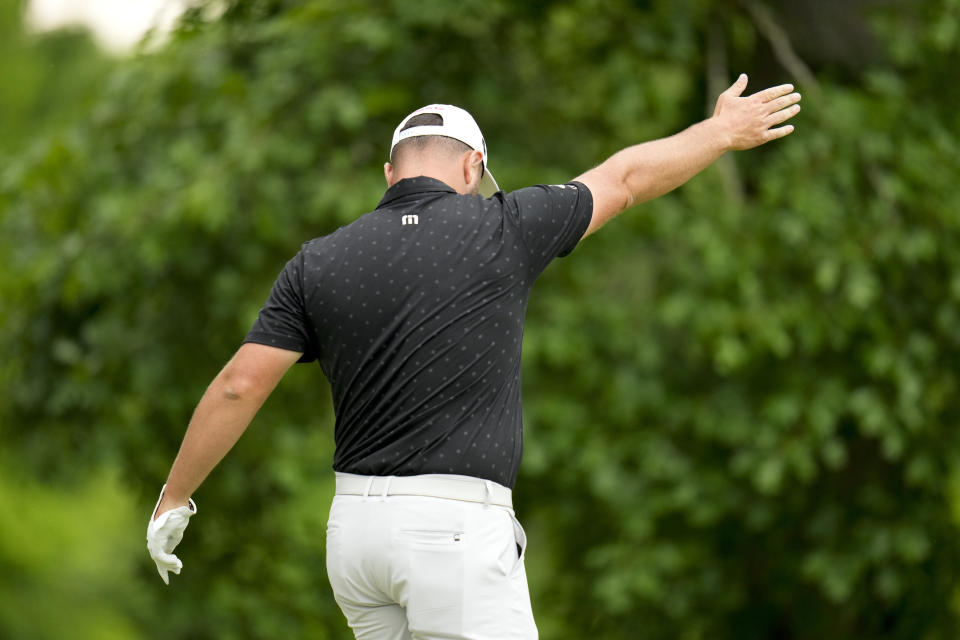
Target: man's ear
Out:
[472,168]
[388,173]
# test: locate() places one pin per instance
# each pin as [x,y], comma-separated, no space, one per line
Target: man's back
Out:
[415,312]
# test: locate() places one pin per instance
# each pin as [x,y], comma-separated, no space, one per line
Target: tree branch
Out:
[717,75]
[765,23]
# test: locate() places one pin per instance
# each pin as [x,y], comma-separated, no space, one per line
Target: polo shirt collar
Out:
[412,188]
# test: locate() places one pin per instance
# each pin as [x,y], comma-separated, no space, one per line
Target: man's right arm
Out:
[645,171]
[223,414]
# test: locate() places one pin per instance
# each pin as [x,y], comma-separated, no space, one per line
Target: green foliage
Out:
[49,79]
[67,559]
[740,399]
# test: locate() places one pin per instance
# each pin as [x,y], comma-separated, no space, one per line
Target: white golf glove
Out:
[165,533]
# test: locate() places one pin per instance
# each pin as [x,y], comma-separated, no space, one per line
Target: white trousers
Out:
[413,567]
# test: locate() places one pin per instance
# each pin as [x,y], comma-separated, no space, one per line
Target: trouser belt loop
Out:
[366,491]
[386,489]
[487,493]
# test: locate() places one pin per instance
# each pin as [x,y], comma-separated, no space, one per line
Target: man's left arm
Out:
[646,171]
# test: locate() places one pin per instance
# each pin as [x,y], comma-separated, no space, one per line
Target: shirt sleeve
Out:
[282,322]
[551,218]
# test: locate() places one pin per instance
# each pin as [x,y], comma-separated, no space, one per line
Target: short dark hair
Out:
[419,143]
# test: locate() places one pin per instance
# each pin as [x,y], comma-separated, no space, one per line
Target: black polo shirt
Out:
[415,312]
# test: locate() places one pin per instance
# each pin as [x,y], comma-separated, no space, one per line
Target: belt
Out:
[450,487]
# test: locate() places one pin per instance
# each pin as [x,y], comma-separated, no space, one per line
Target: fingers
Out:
[166,564]
[782,115]
[778,132]
[782,102]
[773,92]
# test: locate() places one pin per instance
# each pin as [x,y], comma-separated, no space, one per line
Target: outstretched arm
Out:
[223,414]
[651,169]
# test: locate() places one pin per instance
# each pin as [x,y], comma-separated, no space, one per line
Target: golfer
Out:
[415,313]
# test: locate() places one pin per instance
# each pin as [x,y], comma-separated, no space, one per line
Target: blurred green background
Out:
[741,399]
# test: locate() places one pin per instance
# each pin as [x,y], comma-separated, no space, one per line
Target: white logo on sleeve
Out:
[411,219]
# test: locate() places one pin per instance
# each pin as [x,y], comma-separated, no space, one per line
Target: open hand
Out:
[751,121]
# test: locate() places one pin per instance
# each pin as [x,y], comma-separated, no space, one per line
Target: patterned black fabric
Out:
[415,312]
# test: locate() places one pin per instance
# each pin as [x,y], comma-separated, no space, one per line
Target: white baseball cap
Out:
[457,124]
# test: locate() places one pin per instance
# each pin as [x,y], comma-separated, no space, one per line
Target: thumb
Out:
[738,87]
